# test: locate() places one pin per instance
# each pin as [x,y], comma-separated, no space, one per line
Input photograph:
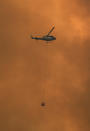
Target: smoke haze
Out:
[33,71]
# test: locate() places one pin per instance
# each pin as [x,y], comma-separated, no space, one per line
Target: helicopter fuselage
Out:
[46,38]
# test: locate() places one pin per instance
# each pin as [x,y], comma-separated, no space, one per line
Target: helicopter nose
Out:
[54,38]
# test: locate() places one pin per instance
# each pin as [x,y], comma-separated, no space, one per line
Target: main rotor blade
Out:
[51,30]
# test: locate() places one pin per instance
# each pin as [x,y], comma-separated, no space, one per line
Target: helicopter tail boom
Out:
[37,38]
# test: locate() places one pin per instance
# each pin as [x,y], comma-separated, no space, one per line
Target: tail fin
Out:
[31,37]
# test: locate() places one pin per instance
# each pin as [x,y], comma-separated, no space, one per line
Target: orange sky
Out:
[32,71]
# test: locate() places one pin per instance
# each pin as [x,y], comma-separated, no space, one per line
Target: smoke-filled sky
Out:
[35,71]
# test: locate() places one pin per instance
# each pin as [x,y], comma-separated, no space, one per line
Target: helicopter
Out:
[47,37]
